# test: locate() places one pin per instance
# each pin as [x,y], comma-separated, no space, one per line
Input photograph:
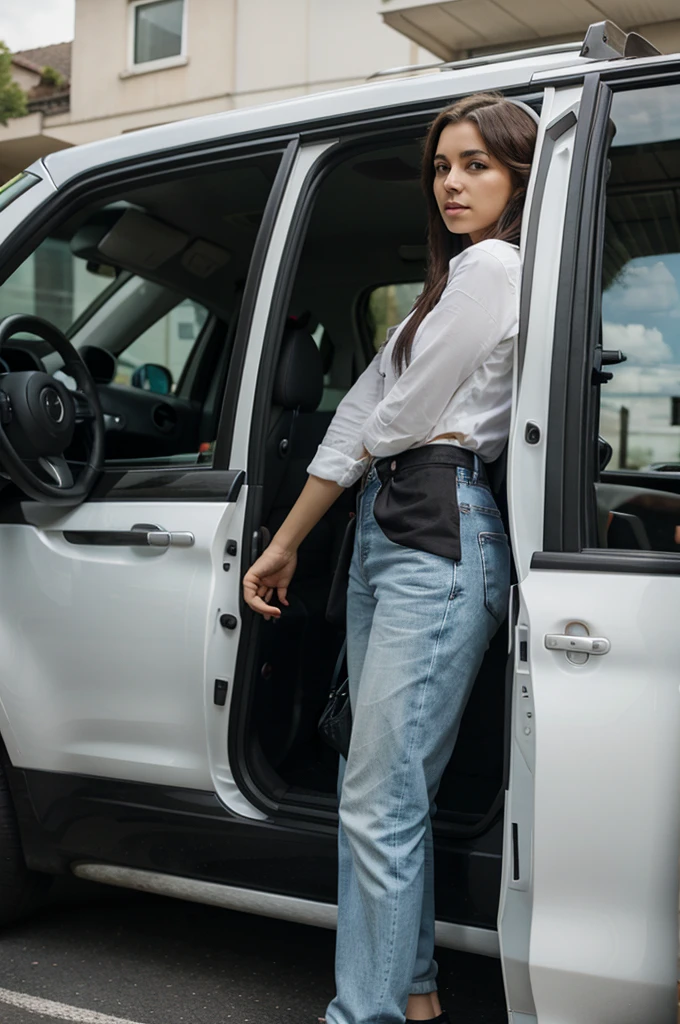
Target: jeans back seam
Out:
[401,798]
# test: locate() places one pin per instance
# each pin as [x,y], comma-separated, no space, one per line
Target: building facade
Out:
[137,63]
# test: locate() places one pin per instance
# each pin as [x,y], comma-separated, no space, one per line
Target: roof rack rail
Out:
[606,41]
[603,41]
[487,58]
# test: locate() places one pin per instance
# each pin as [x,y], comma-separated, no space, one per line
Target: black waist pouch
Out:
[417,504]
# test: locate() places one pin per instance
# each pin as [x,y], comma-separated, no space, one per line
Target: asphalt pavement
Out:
[96,955]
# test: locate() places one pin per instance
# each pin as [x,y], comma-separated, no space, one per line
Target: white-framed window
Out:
[157,34]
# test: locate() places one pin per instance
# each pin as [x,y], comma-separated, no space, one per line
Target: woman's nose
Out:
[452,183]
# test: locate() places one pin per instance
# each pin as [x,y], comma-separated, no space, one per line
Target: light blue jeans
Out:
[417,628]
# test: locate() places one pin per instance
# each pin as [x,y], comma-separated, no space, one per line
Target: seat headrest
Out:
[299,374]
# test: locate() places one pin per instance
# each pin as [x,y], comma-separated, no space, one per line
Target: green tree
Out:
[12,98]
[52,77]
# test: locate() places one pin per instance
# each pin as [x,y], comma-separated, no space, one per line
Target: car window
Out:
[16,187]
[639,492]
[148,284]
[640,406]
[167,343]
[332,394]
[388,306]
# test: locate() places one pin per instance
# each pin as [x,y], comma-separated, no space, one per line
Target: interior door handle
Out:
[577,644]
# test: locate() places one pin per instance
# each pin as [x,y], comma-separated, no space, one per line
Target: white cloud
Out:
[26,25]
[652,116]
[642,345]
[643,380]
[649,287]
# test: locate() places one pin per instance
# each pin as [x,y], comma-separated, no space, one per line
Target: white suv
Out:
[224,281]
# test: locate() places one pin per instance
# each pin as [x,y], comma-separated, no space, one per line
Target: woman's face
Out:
[471,187]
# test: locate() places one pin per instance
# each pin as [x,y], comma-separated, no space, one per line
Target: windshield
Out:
[54,284]
[15,187]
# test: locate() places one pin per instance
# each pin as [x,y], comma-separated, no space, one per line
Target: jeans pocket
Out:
[495,554]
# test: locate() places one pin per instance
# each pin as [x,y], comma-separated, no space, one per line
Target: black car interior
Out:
[366,229]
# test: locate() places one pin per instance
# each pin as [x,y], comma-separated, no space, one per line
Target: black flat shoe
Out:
[441,1019]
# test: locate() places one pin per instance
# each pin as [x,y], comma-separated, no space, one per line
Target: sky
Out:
[641,314]
[26,24]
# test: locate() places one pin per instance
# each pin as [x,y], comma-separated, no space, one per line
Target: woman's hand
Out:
[272,571]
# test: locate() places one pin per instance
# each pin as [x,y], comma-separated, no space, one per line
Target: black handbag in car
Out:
[335,724]
[336,609]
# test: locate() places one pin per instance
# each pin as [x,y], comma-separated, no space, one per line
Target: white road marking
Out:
[59,1011]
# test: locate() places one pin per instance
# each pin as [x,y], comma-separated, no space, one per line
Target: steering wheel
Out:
[38,416]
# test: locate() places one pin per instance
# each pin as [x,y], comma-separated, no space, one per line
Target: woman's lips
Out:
[451,210]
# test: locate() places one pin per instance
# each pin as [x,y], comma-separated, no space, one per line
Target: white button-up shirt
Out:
[459,379]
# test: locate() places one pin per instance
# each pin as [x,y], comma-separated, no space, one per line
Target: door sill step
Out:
[464,938]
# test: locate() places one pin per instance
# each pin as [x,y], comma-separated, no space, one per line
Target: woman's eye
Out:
[476,165]
[440,168]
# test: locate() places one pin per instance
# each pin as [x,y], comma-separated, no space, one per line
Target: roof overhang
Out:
[454,28]
[22,142]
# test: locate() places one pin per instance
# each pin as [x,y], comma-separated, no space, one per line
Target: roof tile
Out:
[57,56]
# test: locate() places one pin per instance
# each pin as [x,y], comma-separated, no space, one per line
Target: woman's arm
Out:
[274,569]
[338,463]
[341,455]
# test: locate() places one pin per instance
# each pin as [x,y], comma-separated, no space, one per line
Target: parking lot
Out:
[104,956]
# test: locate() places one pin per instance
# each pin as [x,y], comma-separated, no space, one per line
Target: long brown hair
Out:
[509,134]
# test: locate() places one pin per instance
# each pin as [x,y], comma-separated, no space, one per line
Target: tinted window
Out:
[638,497]
[387,307]
[167,343]
[140,277]
[641,300]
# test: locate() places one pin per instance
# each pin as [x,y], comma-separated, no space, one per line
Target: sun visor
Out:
[139,241]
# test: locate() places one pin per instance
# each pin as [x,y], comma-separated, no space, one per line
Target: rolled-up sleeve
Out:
[339,457]
[477,311]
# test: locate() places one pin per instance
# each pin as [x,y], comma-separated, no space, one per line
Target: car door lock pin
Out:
[220,695]
[532,433]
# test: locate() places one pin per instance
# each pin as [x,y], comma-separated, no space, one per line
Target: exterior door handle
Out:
[577,644]
[142,535]
[164,539]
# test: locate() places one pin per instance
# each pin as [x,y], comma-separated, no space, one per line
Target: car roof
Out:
[278,118]
[514,72]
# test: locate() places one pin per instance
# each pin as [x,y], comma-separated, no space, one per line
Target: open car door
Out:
[121,624]
[588,920]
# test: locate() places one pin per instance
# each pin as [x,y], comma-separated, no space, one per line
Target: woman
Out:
[429,577]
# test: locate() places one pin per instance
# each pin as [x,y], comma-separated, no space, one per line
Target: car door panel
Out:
[121,666]
[143,616]
[590,904]
[543,228]
[605,791]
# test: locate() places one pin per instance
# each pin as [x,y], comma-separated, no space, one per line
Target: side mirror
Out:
[605,453]
[152,377]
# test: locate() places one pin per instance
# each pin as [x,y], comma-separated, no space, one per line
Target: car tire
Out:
[21,890]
